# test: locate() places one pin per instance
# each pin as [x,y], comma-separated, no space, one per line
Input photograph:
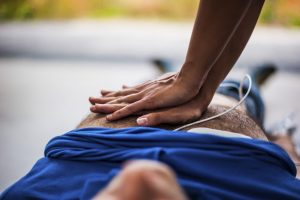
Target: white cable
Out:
[233,86]
[242,99]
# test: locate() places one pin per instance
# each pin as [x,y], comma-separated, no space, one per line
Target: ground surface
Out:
[48,70]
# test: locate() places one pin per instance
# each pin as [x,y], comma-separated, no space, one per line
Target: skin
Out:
[143,179]
[139,179]
[235,121]
[221,31]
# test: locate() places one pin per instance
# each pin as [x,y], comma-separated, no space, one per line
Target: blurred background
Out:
[54,54]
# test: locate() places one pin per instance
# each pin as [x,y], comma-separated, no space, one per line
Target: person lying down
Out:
[226,158]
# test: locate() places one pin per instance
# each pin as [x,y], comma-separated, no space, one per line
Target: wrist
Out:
[207,92]
[191,76]
[188,88]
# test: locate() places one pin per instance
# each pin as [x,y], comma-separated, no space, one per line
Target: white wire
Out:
[242,99]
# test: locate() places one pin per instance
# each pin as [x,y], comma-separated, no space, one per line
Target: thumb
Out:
[157,118]
[175,115]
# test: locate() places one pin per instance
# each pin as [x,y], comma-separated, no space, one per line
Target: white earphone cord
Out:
[242,99]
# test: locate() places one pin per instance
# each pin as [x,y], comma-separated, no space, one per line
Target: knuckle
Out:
[195,114]
[155,118]
[118,113]
[135,90]
[149,103]
[130,109]
[120,100]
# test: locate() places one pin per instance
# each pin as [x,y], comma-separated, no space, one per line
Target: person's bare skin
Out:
[153,180]
[221,31]
[143,179]
[235,121]
[140,176]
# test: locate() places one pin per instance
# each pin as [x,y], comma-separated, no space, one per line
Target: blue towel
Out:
[81,162]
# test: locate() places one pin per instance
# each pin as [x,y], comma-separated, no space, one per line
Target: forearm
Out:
[215,26]
[233,50]
[217,41]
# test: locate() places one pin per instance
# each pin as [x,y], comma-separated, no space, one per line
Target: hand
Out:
[130,90]
[181,114]
[108,96]
[167,91]
[188,112]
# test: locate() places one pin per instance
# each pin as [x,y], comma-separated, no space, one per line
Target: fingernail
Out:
[109,117]
[93,108]
[142,121]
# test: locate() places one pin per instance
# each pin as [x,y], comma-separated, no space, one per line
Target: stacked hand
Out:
[216,43]
[163,100]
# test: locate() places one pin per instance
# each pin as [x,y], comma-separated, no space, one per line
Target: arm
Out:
[221,31]
[218,24]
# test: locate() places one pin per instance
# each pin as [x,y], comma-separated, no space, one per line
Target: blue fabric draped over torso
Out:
[81,162]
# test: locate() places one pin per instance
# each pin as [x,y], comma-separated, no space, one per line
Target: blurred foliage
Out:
[282,12]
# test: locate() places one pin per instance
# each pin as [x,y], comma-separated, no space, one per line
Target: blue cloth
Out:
[80,163]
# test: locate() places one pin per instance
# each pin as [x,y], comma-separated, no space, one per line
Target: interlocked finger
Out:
[127,99]
[106,92]
[101,100]
[122,93]
[106,108]
[127,110]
